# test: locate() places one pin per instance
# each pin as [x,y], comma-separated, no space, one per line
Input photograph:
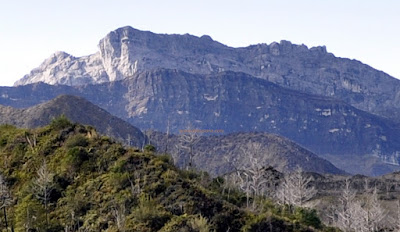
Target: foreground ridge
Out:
[83,181]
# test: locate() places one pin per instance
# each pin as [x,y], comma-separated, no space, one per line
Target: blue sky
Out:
[30,31]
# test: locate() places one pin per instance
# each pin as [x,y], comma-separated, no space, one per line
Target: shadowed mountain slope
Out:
[222,154]
[237,102]
[78,110]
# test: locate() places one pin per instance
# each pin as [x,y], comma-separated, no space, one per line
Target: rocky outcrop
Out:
[127,51]
[234,102]
[63,69]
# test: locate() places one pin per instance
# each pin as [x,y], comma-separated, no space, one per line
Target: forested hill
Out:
[67,177]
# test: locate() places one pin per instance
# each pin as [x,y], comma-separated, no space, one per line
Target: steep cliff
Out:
[234,102]
[127,51]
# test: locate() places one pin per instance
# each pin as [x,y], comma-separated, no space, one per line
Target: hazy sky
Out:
[366,30]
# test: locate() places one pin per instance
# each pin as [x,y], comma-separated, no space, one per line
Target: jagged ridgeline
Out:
[67,177]
[340,109]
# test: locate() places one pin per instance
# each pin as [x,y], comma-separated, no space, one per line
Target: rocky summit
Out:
[337,108]
[127,51]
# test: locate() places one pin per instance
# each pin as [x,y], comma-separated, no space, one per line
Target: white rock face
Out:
[127,51]
[62,68]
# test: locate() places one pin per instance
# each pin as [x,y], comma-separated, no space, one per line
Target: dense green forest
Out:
[67,177]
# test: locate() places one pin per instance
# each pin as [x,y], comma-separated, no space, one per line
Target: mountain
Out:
[222,154]
[127,51]
[233,102]
[94,184]
[77,109]
[279,152]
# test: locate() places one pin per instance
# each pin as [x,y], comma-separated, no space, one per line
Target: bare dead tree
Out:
[252,178]
[6,199]
[43,185]
[295,189]
[167,138]
[364,215]
[397,219]
[187,141]
[135,183]
[375,214]
[147,138]
[31,139]
[244,185]
[129,140]
[230,181]
[119,214]
[345,212]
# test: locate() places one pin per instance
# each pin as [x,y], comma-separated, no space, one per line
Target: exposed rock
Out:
[235,102]
[126,51]
[64,69]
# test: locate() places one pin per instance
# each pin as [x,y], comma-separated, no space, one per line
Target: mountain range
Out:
[338,108]
[232,102]
[276,151]
[127,51]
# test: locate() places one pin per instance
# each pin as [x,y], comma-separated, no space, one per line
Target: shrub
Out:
[195,223]
[149,148]
[308,217]
[150,213]
[200,224]
[77,140]
[3,141]
[75,157]
[60,123]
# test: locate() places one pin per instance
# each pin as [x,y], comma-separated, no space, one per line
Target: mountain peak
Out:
[126,51]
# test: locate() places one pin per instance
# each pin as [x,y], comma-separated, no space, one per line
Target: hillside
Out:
[78,110]
[222,154]
[65,177]
[127,51]
[354,140]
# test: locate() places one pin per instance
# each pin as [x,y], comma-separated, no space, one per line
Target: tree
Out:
[355,215]
[167,138]
[397,219]
[187,141]
[252,176]
[295,189]
[346,213]
[43,185]
[5,197]
[29,215]
[31,139]
[374,212]
[119,214]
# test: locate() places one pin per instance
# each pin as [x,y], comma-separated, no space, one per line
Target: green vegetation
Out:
[65,177]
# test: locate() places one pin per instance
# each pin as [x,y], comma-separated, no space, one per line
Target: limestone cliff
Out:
[126,51]
[234,102]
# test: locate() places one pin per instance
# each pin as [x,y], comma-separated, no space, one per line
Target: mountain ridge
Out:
[234,102]
[222,154]
[77,109]
[126,51]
